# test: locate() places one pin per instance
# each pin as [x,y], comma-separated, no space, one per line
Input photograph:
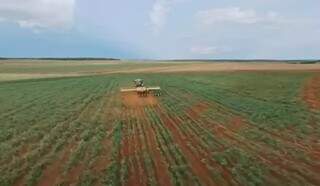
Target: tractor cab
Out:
[139,83]
[142,90]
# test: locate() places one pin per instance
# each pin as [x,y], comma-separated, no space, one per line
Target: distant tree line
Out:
[64,59]
[176,60]
[247,60]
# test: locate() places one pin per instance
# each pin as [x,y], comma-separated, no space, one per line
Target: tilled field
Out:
[239,128]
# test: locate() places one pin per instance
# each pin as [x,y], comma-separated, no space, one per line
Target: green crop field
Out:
[207,128]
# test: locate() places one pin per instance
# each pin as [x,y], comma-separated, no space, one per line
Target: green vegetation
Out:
[74,129]
[113,172]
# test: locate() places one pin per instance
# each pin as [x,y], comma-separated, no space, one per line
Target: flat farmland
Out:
[237,125]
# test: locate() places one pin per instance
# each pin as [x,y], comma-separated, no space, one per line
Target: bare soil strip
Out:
[133,100]
[229,132]
[161,169]
[223,67]
[204,153]
[171,68]
[198,167]
[137,175]
[52,173]
[196,110]
[311,93]
[47,149]
[285,163]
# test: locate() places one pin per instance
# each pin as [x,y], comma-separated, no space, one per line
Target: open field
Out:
[215,124]
[34,69]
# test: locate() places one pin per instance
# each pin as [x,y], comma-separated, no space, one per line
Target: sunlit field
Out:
[207,128]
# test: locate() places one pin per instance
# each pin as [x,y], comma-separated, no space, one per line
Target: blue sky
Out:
[161,29]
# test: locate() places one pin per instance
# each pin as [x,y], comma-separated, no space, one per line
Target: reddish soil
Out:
[267,155]
[103,159]
[20,181]
[286,164]
[138,137]
[237,123]
[196,110]
[229,131]
[198,167]
[133,100]
[203,152]
[74,174]
[131,149]
[53,172]
[311,93]
[315,155]
[23,150]
[161,169]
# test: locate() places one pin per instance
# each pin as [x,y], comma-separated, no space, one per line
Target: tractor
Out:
[141,89]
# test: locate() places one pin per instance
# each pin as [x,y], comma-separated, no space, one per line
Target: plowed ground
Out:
[133,100]
[312,93]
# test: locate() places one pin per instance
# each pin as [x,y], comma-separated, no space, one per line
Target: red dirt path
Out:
[52,174]
[198,167]
[311,93]
[131,149]
[161,169]
[138,137]
[133,100]
[196,110]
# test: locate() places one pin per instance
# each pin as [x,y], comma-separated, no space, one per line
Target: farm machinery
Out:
[142,90]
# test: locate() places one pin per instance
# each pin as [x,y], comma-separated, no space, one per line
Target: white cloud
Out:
[38,14]
[158,14]
[209,50]
[233,15]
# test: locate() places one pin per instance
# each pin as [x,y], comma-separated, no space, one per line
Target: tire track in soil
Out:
[169,152]
[249,148]
[22,178]
[198,167]
[311,93]
[48,96]
[195,131]
[149,171]
[205,153]
[104,158]
[274,134]
[283,163]
[197,143]
[143,176]
[196,110]
[73,175]
[304,147]
[310,179]
[238,123]
[161,169]
[307,148]
[28,145]
[132,151]
[52,173]
[130,147]
[311,96]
